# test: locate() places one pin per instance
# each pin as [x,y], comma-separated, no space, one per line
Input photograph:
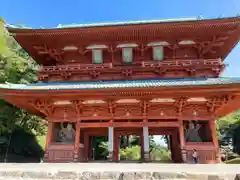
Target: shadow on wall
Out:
[20,147]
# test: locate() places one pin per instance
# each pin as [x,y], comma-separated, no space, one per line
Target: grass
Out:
[41,140]
[233,161]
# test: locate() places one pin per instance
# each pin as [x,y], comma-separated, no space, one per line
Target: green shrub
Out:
[160,154]
[233,161]
[130,153]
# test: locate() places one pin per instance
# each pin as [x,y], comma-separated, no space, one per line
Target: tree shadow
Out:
[20,147]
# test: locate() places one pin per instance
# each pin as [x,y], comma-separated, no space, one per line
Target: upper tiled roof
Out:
[123,23]
[150,83]
[127,23]
[112,23]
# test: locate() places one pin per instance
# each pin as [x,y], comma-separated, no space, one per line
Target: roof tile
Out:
[146,83]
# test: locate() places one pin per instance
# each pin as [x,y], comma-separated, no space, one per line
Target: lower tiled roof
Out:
[147,83]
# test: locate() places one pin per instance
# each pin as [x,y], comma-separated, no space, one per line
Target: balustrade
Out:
[180,63]
[140,64]
[75,67]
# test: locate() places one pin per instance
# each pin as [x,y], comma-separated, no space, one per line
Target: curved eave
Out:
[22,102]
[20,95]
[228,108]
[180,21]
[120,85]
[74,35]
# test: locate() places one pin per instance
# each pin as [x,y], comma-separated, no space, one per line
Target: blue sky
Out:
[50,13]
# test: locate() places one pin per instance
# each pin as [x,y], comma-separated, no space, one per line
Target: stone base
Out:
[146,157]
[76,157]
[118,171]
[46,156]
[110,156]
[184,155]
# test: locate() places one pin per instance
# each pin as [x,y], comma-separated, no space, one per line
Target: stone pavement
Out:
[118,171]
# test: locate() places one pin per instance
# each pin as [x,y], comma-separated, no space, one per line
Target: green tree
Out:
[228,129]
[16,67]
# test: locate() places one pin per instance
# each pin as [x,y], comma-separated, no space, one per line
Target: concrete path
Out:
[119,171]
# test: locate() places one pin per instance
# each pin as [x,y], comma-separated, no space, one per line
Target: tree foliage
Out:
[16,67]
[228,129]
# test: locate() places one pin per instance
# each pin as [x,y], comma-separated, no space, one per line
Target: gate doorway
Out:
[98,148]
[170,152]
[129,146]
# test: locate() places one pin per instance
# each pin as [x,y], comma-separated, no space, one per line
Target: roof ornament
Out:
[7,83]
[10,26]
[200,17]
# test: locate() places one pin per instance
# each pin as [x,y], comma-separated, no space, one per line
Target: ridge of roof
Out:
[111,84]
[127,23]
[122,23]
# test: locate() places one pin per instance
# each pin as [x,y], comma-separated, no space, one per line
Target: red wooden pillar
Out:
[48,139]
[77,143]
[172,149]
[175,147]
[115,146]
[142,146]
[182,141]
[86,147]
[215,140]
[90,148]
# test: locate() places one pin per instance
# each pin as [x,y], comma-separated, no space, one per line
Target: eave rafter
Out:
[111,107]
[77,105]
[144,105]
[52,53]
[45,106]
[205,47]
[180,104]
[210,106]
[216,102]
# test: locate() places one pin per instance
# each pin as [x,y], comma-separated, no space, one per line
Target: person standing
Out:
[195,156]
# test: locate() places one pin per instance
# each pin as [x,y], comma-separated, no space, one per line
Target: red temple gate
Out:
[143,78]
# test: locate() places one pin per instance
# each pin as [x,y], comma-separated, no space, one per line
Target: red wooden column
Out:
[182,141]
[142,146]
[115,145]
[90,148]
[77,143]
[215,140]
[86,147]
[48,139]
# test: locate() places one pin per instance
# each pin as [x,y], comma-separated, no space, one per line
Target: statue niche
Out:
[65,133]
[197,131]
[192,132]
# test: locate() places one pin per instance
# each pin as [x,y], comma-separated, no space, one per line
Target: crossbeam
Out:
[129,124]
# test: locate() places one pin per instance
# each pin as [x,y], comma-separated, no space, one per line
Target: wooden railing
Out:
[181,63]
[74,67]
[140,64]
